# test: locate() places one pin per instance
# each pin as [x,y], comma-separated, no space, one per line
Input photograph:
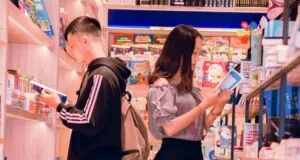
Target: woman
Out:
[176,108]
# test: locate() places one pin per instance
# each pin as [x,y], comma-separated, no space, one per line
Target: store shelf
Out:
[138,90]
[66,62]
[18,113]
[185,8]
[294,62]
[22,30]
[166,30]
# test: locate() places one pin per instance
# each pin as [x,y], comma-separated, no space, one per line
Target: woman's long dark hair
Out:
[177,52]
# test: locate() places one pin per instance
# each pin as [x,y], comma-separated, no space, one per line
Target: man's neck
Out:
[96,52]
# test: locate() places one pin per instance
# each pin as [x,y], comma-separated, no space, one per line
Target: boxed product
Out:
[256,48]
[274,28]
[237,54]
[159,39]
[213,73]
[230,81]
[250,140]
[220,54]
[225,141]
[272,98]
[140,51]
[121,51]
[143,39]
[43,18]
[123,38]
[140,70]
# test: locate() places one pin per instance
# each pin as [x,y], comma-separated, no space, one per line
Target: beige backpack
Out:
[135,145]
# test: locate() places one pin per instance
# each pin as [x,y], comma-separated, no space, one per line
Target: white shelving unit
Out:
[18,113]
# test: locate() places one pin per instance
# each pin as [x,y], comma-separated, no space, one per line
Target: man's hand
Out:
[51,99]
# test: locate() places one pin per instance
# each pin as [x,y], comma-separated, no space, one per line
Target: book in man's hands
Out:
[231,81]
[38,87]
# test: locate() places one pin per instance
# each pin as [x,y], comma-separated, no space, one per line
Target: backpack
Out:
[135,145]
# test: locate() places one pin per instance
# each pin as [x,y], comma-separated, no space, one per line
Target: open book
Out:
[231,80]
[38,87]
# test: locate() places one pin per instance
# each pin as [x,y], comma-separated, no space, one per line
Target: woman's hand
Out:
[210,99]
[223,98]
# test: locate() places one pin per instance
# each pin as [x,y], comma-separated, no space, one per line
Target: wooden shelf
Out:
[289,66]
[185,8]
[166,30]
[66,62]
[138,90]
[22,30]
[18,113]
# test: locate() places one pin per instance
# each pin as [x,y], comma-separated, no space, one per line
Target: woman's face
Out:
[196,53]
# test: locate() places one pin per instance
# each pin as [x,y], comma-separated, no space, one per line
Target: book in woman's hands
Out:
[40,87]
[231,81]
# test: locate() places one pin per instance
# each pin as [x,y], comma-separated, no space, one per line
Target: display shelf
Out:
[138,90]
[22,30]
[185,8]
[18,113]
[294,62]
[66,62]
[166,30]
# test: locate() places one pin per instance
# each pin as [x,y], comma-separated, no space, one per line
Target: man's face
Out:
[76,46]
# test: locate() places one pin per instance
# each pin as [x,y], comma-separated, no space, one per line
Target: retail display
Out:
[20,93]
[256,48]
[141,51]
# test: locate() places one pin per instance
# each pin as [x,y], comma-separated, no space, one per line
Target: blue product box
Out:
[272,98]
[274,29]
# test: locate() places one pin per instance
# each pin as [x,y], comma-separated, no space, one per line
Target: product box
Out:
[140,71]
[272,98]
[250,140]
[123,38]
[143,39]
[213,73]
[240,42]
[121,51]
[230,81]
[274,29]
[43,18]
[159,39]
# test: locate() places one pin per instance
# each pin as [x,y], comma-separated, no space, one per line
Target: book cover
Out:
[43,18]
[38,87]
[213,73]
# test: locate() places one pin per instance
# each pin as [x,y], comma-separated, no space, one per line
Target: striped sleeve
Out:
[84,117]
[95,109]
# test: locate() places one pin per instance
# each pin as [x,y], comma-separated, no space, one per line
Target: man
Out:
[96,117]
